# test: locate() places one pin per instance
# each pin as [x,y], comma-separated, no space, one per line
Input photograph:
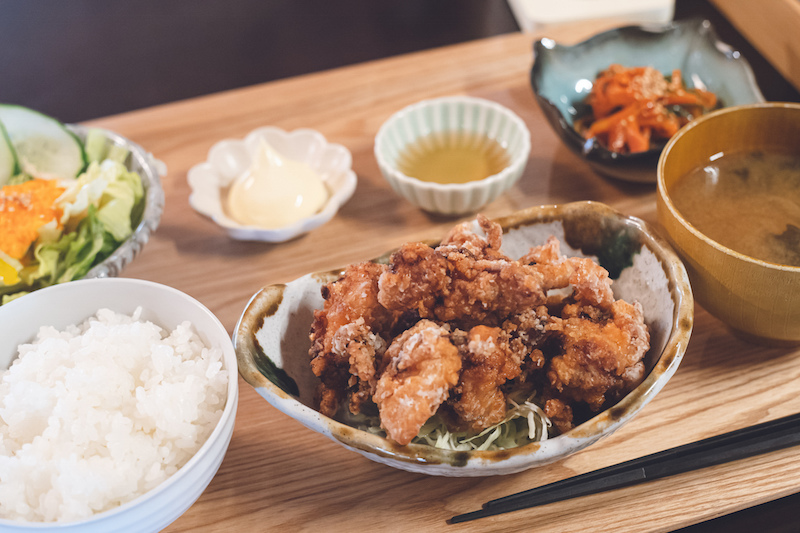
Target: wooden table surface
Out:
[278,475]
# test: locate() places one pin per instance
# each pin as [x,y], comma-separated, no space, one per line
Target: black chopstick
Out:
[731,446]
[708,445]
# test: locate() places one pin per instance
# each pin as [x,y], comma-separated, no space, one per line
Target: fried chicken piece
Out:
[416,274]
[489,362]
[602,341]
[422,366]
[465,280]
[485,246]
[486,291]
[559,413]
[528,327]
[602,353]
[346,337]
[590,282]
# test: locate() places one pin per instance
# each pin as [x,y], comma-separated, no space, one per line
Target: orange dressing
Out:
[24,208]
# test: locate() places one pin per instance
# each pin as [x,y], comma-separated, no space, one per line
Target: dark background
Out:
[83,59]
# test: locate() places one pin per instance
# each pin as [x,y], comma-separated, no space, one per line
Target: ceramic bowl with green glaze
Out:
[272,342]
[445,116]
[562,78]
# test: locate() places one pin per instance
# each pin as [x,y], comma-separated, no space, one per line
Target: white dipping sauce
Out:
[275,191]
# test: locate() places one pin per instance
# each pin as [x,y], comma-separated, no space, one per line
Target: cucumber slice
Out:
[44,146]
[8,159]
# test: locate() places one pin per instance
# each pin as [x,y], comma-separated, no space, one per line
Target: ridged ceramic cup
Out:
[758,300]
[448,114]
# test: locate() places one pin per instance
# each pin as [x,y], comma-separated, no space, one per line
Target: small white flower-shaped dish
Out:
[230,158]
[447,114]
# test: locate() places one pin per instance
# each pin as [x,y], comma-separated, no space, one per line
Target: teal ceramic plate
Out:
[562,77]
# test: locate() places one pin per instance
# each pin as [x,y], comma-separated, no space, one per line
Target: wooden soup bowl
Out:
[758,300]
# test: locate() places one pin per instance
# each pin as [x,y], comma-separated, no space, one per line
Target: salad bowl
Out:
[107,202]
[272,343]
[562,77]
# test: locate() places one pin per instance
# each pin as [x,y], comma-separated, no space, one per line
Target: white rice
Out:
[98,414]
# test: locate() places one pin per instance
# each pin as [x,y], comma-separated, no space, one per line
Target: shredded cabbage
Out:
[525,422]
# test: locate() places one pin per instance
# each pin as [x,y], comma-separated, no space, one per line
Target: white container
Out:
[540,15]
[229,158]
[72,303]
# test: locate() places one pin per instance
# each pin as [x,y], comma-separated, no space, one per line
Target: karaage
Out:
[455,329]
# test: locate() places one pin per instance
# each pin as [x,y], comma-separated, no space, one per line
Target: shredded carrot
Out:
[631,107]
[24,208]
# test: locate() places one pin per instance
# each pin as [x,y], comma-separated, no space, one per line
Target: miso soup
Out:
[748,202]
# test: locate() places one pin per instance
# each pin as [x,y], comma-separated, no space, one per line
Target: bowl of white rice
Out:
[117,404]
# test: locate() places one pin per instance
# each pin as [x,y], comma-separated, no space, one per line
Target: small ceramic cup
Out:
[452,114]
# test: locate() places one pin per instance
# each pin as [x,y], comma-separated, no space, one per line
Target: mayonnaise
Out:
[275,191]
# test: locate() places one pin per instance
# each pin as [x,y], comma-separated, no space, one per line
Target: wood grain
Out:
[278,475]
[771,27]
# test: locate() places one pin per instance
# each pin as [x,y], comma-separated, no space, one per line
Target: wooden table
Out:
[277,475]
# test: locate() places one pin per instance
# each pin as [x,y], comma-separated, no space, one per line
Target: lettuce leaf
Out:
[118,204]
[8,297]
[74,253]
[96,145]
[84,250]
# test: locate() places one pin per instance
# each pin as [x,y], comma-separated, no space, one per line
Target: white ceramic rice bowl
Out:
[71,303]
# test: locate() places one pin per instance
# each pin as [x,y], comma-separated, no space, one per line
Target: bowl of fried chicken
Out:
[505,345]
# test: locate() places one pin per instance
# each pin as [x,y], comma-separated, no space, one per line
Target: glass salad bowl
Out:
[99,215]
